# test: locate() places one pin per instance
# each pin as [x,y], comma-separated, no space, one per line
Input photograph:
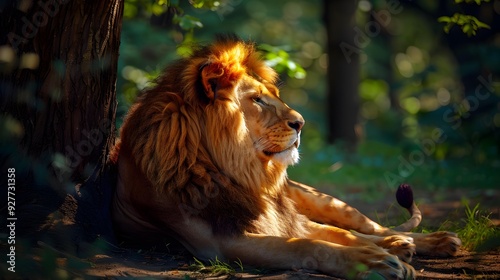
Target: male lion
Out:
[203,157]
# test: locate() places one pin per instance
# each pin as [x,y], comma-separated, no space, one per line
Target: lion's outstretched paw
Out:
[441,243]
[399,245]
[383,264]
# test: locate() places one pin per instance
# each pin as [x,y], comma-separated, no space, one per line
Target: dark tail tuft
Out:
[404,195]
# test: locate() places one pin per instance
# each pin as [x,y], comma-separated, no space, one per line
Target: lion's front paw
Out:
[441,243]
[379,262]
[399,245]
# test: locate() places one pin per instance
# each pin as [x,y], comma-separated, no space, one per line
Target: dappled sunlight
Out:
[404,65]
[29,61]
[443,96]
[7,54]
[411,104]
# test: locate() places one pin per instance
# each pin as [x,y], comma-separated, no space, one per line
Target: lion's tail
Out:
[404,195]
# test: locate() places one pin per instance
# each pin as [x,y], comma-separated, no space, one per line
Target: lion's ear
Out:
[211,78]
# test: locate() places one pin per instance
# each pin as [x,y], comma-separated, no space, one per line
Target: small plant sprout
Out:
[216,267]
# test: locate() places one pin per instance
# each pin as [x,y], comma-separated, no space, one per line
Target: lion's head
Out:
[217,110]
[272,126]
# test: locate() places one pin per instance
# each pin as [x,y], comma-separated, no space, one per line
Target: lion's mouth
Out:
[272,153]
[267,153]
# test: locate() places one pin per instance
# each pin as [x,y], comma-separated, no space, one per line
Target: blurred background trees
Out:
[418,104]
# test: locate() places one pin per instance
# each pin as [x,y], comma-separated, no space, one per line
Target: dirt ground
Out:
[174,263]
[153,265]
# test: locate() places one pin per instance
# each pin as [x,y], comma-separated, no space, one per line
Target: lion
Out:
[202,158]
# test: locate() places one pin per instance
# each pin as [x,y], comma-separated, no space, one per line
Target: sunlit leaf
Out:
[480,24]
[157,9]
[444,19]
[279,59]
[467,28]
[187,22]
[300,73]
[291,65]
[185,49]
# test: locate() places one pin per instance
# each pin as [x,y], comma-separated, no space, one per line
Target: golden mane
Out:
[195,146]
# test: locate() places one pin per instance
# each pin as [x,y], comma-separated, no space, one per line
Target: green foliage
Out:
[469,24]
[136,8]
[477,230]
[187,22]
[279,59]
[402,104]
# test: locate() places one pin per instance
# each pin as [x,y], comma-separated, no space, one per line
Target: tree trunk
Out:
[344,47]
[58,70]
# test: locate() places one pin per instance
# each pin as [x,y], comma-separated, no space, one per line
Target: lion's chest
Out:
[280,218]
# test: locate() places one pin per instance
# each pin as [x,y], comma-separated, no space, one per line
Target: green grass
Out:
[477,233]
[375,166]
[215,267]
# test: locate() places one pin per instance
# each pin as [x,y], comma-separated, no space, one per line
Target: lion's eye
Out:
[259,100]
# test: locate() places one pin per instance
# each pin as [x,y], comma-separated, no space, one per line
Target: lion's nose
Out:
[296,122]
[297,125]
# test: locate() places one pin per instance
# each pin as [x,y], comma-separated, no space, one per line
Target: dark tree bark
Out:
[58,82]
[344,47]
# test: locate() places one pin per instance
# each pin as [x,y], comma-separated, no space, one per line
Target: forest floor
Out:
[465,265]
[438,208]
